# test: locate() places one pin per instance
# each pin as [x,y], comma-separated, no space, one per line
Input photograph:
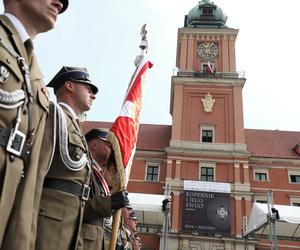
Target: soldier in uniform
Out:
[127,230]
[132,223]
[24,107]
[66,186]
[97,212]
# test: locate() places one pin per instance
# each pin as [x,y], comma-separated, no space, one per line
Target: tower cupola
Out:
[205,14]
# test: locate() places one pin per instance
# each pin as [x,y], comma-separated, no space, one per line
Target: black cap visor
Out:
[65,4]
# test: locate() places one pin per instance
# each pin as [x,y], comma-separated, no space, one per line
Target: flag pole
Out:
[120,182]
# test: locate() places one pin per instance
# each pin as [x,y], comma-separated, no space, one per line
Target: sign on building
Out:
[206,207]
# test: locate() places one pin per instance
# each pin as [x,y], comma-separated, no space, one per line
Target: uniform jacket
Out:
[18,193]
[99,206]
[60,213]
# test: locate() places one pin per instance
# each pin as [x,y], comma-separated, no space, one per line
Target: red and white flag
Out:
[209,68]
[124,131]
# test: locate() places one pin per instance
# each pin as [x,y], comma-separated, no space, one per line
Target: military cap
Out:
[128,206]
[65,4]
[132,216]
[96,133]
[74,74]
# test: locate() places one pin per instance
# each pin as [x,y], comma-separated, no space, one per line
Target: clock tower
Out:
[206,93]
[207,139]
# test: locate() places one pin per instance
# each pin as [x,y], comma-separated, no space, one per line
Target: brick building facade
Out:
[207,141]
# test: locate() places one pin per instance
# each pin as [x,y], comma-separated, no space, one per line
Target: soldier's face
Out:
[102,152]
[83,96]
[39,15]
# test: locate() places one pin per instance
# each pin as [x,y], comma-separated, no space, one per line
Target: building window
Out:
[260,198]
[207,173]
[152,173]
[294,200]
[208,70]
[262,201]
[294,178]
[260,176]
[207,11]
[207,133]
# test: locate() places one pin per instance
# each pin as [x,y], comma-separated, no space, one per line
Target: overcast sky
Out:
[103,36]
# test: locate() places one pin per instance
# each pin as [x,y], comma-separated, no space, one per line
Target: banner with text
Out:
[205,211]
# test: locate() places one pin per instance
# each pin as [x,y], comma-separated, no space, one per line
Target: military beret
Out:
[65,4]
[96,133]
[74,74]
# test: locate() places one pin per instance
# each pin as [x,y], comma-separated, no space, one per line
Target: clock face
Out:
[208,50]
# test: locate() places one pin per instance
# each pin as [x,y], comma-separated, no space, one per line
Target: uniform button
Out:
[7,60]
[42,209]
[12,158]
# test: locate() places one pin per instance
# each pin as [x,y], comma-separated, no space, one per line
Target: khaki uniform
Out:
[60,213]
[45,156]
[124,237]
[107,236]
[96,209]
[17,179]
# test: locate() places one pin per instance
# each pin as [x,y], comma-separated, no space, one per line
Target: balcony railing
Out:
[237,74]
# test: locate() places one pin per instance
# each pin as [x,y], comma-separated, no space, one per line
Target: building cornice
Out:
[265,160]
[207,34]
[207,149]
[187,80]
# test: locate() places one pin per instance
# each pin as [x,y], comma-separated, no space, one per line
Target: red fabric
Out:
[208,68]
[125,130]
[126,126]
[102,180]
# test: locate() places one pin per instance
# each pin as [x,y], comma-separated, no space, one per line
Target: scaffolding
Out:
[273,222]
[166,210]
[270,222]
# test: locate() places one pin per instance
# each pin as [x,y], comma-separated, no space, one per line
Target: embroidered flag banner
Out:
[124,131]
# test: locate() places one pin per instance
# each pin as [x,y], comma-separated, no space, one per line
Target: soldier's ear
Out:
[93,144]
[69,86]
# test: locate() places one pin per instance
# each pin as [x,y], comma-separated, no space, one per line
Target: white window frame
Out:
[294,199]
[261,171]
[207,165]
[208,127]
[152,164]
[260,197]
[293,172]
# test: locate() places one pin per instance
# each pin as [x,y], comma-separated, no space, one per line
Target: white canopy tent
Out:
[147,207]
[287,226]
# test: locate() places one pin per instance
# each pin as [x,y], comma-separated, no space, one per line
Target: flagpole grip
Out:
[114,230]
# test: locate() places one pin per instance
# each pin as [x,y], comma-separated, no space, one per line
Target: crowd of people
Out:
[55,190]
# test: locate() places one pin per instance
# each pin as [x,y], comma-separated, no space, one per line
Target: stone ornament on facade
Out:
[208,103]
